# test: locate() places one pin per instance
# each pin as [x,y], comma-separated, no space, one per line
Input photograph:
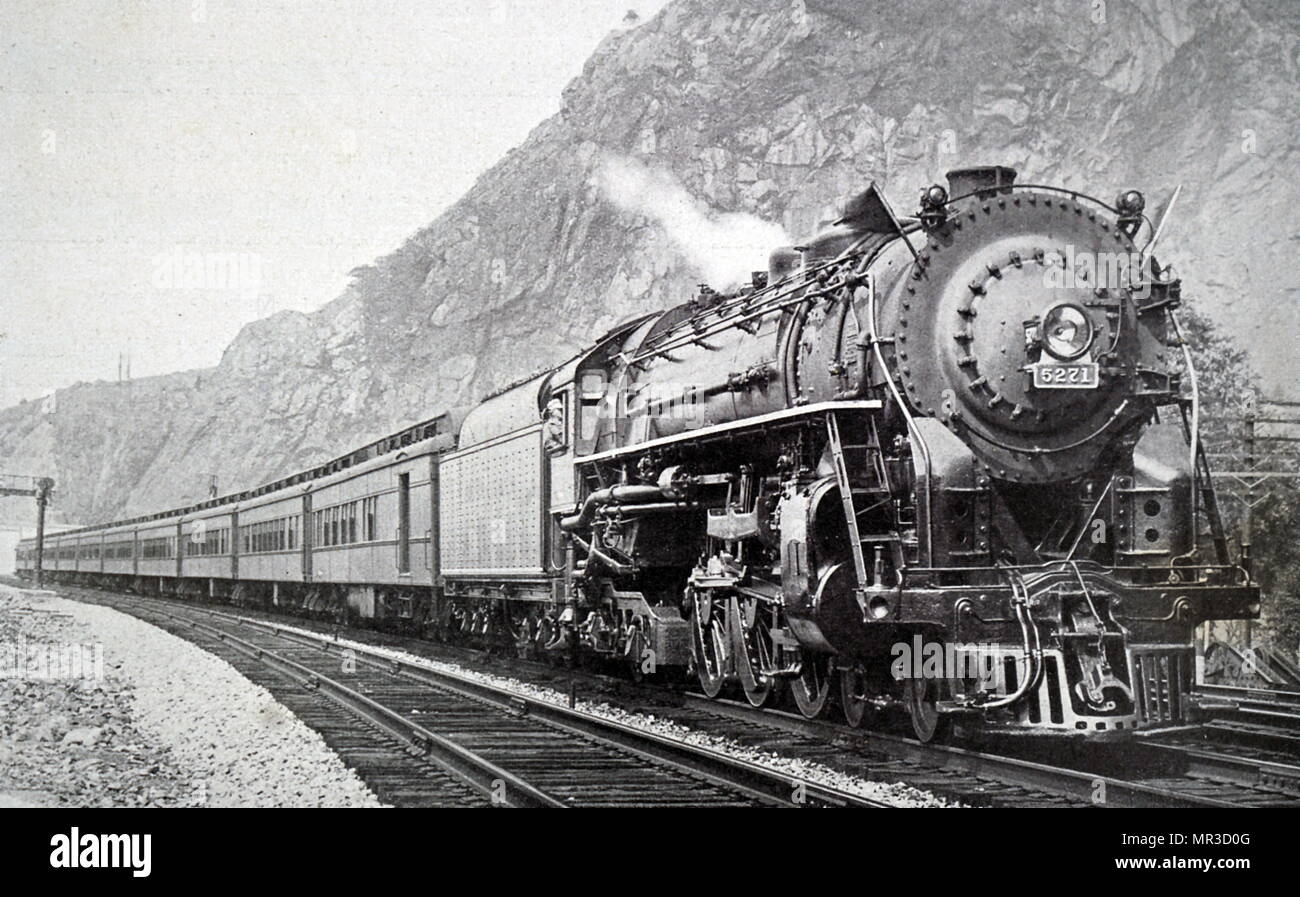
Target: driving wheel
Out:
[921,697]
[751,642]
[858,710]
[811,689]
[709,646]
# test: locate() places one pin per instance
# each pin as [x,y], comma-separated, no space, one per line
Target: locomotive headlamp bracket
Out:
[1161,294]
[1033,335]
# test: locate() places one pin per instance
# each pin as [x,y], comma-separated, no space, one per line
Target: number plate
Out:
[1065,376]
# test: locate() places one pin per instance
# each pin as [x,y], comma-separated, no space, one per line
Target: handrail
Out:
[913,431]
[1194,436]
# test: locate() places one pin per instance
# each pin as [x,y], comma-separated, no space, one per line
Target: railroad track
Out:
[1264,778]
[1155,775]
[508,748]
[1277,709]
[1169,779]
[1140,774]
[988,779]
[1253,740]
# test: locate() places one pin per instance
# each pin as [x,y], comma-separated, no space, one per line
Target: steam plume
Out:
[723,247]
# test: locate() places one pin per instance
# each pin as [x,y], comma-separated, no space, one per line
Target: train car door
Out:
[180,548]
[234,545]
[404,523]
[308,537]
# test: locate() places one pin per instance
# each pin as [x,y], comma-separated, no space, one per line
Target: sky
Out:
[173,170]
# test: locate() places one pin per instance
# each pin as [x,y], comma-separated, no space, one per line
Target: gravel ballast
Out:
[896,793]
[98,708]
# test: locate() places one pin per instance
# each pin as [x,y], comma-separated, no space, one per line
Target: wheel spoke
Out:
[811,690]
[751,648]
[707,644]
[858,710]
[928,724]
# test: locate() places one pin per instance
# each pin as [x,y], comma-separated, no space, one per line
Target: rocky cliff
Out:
[680,138]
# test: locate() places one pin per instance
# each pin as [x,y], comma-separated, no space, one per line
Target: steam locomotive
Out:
[945,463]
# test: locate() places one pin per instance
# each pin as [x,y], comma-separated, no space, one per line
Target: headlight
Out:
[1067,332]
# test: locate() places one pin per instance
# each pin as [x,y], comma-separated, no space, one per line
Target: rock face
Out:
[772,108]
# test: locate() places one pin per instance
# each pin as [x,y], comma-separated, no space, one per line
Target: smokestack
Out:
[982,180]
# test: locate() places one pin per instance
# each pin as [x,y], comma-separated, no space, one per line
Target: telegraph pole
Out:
[40,488]
[44,486]
[1264,461]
